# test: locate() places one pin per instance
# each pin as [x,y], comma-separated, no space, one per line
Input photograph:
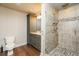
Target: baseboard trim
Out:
[20,45]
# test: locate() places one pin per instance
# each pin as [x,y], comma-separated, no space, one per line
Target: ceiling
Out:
[34,8]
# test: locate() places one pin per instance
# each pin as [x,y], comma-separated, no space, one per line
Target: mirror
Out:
[39,23]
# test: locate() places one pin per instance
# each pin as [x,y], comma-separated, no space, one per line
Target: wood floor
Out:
[26,50]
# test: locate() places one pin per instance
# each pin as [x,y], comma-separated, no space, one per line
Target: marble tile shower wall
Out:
[68,38]
[61,36]
[51,37]
[69,34]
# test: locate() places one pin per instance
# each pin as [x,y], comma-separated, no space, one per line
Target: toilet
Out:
[9,40]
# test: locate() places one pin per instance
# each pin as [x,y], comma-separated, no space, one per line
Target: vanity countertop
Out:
[37,33]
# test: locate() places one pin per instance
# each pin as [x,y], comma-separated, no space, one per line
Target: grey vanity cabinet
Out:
[35,41]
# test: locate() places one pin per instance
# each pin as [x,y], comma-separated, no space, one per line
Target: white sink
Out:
[37,32]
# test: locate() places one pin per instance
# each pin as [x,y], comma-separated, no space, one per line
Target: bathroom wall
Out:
[49,23]
[68,29]
[13,23]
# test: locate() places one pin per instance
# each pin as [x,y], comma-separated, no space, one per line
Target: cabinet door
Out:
[36,41]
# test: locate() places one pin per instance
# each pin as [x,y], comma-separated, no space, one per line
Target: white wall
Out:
[13,23]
